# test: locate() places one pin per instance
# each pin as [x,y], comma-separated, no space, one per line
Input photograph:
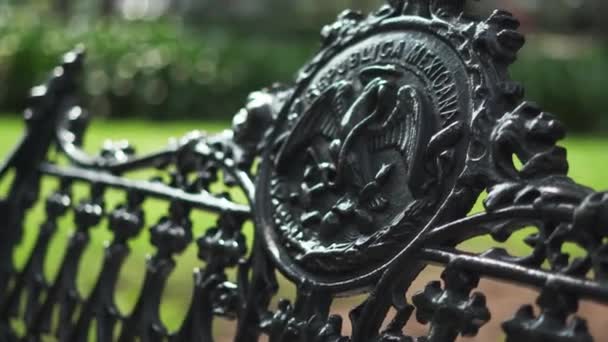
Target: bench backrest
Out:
[356,177]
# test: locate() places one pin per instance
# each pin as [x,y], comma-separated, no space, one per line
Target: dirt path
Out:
[503,301]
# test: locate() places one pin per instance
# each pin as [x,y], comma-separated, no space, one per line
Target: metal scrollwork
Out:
[551,324]
[356,177]
[452,311]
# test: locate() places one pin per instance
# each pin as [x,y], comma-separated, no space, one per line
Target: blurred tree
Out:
[599,12]
[363,5]
[176,6]
[106,7]
[62,7]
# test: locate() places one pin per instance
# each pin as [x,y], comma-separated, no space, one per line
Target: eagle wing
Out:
[322,118]
[400,130]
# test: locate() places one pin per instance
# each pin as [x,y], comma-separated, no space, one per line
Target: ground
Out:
[587,157]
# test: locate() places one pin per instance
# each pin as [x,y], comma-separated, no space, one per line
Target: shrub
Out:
[154,69]
[570,81]
[162,70]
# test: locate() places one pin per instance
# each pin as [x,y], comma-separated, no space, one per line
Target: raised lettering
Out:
[354,60]
[387,49]
[416,55]
[370,53]
[398,51]
[434,69]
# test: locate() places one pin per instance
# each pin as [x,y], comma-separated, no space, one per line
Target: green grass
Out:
[587,157]
[146,137]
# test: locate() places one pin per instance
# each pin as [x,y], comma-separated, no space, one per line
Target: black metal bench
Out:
[368,167]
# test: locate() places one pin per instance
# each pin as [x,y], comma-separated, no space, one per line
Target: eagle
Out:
[385,116]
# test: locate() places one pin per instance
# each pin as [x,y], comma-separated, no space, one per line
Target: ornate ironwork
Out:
[369,165]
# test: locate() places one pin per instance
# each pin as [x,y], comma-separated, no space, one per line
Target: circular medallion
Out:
[367,149]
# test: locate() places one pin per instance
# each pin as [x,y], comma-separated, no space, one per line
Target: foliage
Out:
[567,79]
[155,69]
[163,70]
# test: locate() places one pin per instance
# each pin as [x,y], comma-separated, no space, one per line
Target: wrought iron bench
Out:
[357,177]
